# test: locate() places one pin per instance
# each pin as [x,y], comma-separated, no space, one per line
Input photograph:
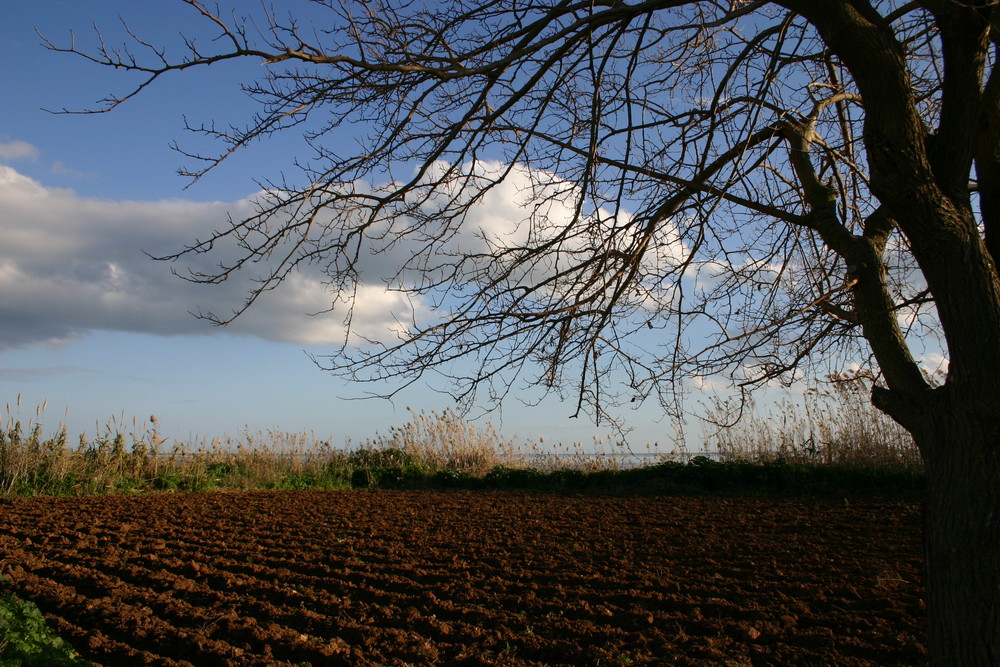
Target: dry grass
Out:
[832,427]
[833,424]
[124,456]
[444,441]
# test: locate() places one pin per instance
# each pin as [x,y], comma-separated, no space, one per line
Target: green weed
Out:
[26,639]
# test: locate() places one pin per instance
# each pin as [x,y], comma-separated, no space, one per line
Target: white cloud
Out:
[710,383]
[18,150]
[70,264]
[378,314]
[934,363]
[706,274]
[530,208]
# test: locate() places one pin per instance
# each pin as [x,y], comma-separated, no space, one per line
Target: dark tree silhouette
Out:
[733,188]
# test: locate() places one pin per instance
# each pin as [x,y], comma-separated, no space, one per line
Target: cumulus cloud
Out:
[70,265]
[523,207]
[18,150]
[934,363]
[710,383]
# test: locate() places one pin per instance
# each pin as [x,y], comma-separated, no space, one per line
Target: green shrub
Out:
[455,479]
[363,478]
[381,458]
[516,478]
[568,478]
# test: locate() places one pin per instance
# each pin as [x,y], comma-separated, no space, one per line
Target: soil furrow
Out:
[383,578]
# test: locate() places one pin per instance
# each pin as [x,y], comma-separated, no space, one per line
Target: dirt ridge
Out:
[470,578]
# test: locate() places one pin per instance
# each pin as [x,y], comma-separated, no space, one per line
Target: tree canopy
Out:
[699,193]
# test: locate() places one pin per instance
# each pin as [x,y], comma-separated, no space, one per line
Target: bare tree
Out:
[733,188]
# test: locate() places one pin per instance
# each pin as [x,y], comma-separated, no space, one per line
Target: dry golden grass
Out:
[122,457]
[444,441]
[833,425]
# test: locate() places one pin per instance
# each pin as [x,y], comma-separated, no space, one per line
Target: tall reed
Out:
[834,423]
[831,426]
[445,441]
[120,457]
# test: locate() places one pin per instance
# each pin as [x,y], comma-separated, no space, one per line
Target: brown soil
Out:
[484,578]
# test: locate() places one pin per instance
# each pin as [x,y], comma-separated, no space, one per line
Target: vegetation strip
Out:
[436,451]
[835,443]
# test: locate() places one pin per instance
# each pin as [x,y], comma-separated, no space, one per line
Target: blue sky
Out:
[96,329]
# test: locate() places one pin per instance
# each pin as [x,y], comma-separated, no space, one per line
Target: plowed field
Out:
[478,578]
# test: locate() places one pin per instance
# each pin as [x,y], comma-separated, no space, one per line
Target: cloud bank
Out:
[18,150]
[70,265]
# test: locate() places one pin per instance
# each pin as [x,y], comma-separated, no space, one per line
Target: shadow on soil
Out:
[699,476]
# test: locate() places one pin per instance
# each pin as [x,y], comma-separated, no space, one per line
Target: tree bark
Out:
[961,448]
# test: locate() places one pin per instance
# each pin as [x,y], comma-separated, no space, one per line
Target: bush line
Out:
[838,444]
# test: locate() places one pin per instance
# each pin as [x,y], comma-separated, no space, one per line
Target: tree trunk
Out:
[961,449]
